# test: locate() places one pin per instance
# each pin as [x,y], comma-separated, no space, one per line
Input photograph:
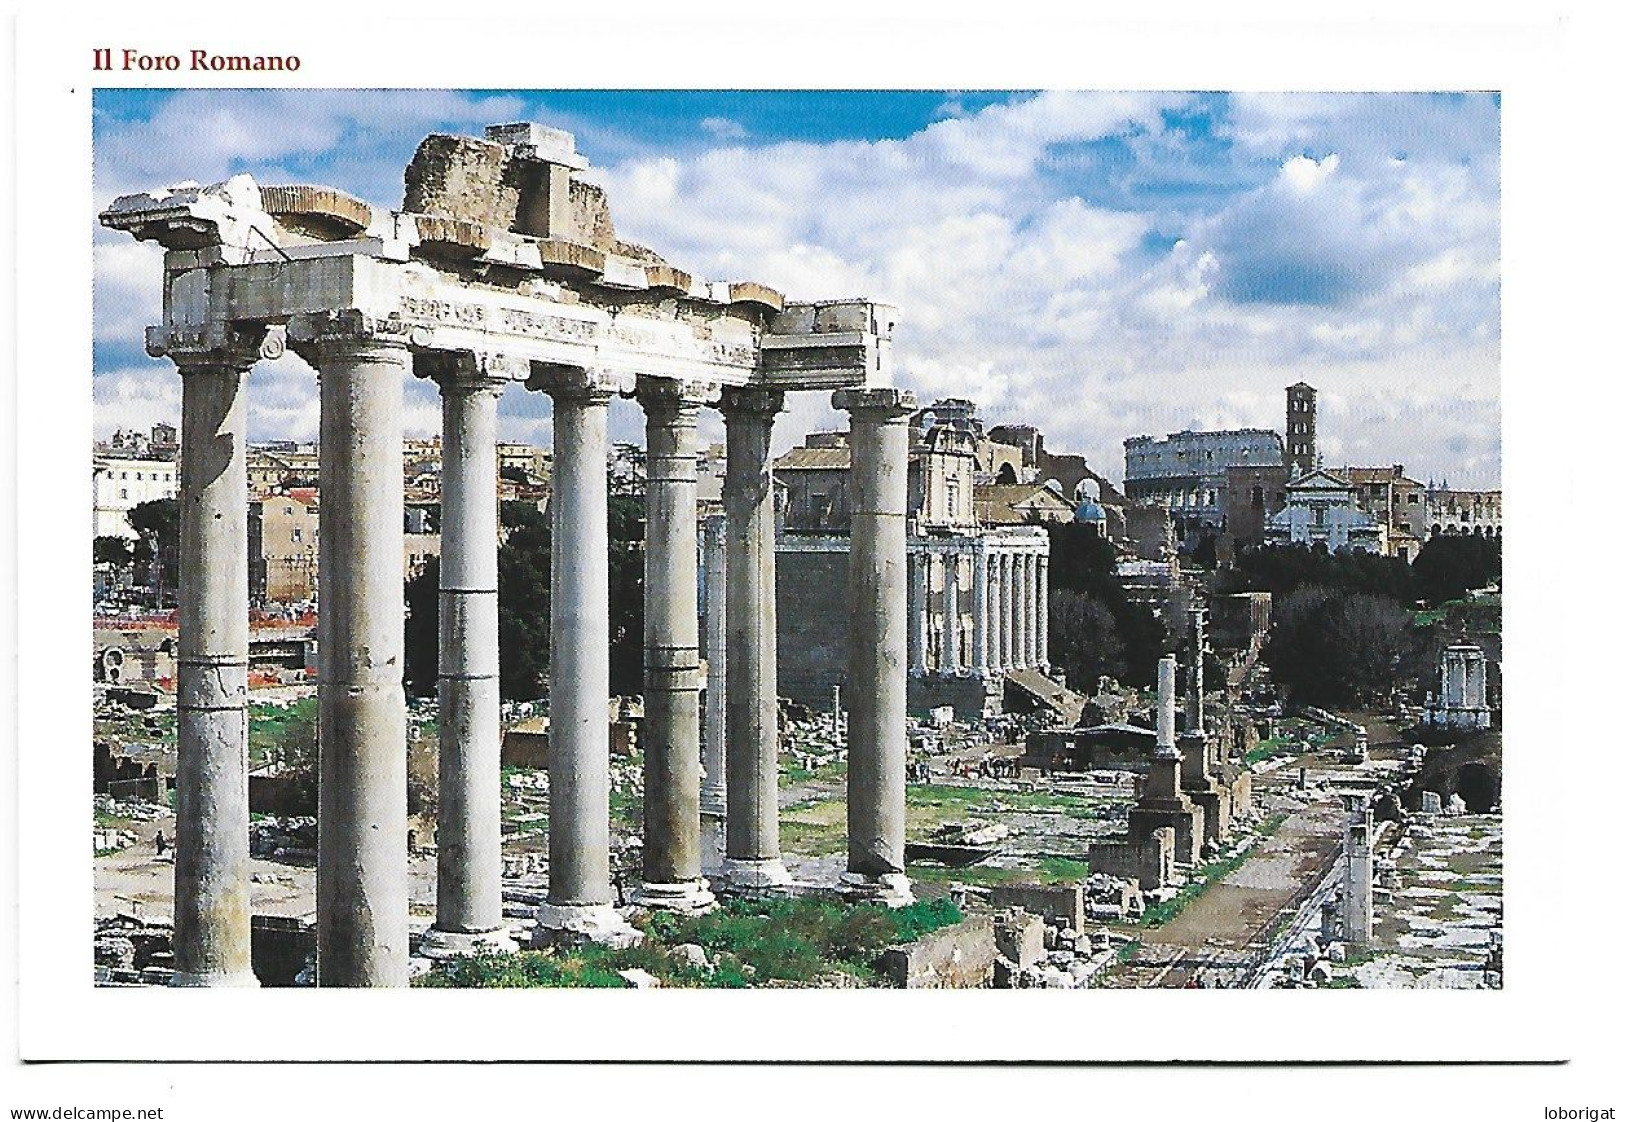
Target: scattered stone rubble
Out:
[283,839]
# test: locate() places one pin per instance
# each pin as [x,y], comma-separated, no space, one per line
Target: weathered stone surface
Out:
[957,957]
[1059,903]
[1019,937]
[324,213]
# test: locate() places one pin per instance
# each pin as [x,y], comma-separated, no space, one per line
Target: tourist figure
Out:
[161,842]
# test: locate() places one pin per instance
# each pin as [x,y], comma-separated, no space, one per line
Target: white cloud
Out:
[1360,252]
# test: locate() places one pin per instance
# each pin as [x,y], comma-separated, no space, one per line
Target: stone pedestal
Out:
[671,652]
[361,878]
[211,934]
[752,861]
[877,675]
[580,895]
[468,835]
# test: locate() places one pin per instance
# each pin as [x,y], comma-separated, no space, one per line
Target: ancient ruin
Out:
[502,268]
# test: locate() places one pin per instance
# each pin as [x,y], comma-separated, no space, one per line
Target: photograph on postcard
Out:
[800,539]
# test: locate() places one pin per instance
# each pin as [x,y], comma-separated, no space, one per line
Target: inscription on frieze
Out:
[508,321]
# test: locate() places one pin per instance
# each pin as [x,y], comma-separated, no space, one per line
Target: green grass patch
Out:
[749,942]
[1274,746]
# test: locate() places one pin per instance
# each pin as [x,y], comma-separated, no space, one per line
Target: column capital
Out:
[471,371]
[219,344]
[751,400]
[672,397]
[879,403]
[577,383]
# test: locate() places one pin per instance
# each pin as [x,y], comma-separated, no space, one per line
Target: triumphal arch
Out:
[503,273]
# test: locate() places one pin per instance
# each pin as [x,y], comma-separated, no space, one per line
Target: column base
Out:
[713,803]
[744,877]
[438,944]
[236,979]
[691,897]
[891,889]
[574,924]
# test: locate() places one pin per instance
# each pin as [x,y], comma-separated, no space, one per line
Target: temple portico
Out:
[479,286]
[977,609]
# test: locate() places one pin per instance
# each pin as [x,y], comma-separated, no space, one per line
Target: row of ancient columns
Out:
[362,866]
[1009,624]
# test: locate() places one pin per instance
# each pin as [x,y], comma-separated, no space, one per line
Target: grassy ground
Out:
[795,941]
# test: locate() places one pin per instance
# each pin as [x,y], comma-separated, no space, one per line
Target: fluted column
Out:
[212,904]
[671,650]
[877,670]
[713,750]
[468,824]
[1029,587]
[580,895]
[361,868]
[950,612]
[752,861]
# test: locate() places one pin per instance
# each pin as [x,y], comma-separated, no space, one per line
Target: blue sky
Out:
[1102,264]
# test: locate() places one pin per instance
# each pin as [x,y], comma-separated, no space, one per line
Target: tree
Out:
[1083,638]
[1083,562]
[524,600]
[158,521]
[423,631]
[1329,647]
[626,551]
[1449,565]
[110,549]
[1283,569]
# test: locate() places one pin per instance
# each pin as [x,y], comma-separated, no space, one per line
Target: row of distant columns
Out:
[362,869]
[1009,618]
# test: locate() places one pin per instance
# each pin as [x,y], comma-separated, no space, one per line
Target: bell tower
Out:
[1300,428]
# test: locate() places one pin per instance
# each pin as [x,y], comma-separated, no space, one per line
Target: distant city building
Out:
[120,485]
[1389,497]
[1476,513]
[1188,473]
[1252,496]
[1323,509]
[282,547]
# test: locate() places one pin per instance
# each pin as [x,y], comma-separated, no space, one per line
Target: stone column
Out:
[1021,617]
[918,616]
[1357,899]
[1194,700]
[1029,586]
[979,612]
[468,825]
[671,650]
[751,861]
[580,896]
[1041,589]
[361,877]
[212,904]
[950,613]
[1007,603]
[713,750]
[877,757]
[1167,690]
[995,657]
